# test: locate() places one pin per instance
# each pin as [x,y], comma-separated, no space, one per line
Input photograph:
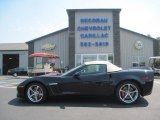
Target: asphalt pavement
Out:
[75,108]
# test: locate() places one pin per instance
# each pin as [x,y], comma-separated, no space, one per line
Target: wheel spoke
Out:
[36,97]
[131,97]
[37,88]
[134,91]
[122,91]
[125,97]
[32,95]
[128,87]
[31,89]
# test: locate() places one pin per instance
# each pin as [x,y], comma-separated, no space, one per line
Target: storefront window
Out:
[141,64]
[78,60]
[38,60]
[138,62]
[87,58]
[102,57]
[81,58]
[135,64]
[110,58]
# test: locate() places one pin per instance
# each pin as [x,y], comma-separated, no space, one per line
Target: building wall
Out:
[129,53]
[23,58]
[121,42]
[93,49]
[60,40]
[93,32]
[116,38]
[1,63]
[156,47]
[30,51]
[71,39]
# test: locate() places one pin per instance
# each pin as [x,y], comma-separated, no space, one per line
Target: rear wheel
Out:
[15,74]
[128,92]
[36,93]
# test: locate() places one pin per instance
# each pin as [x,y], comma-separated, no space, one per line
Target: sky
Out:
[25,20]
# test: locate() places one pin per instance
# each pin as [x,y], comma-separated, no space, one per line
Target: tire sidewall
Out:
[44,93]
[118,88]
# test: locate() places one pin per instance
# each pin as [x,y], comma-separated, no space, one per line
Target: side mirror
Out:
[77,75]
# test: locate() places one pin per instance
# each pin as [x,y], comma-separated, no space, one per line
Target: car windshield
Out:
[71,70]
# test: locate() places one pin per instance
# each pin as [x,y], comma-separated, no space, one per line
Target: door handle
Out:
[98,83]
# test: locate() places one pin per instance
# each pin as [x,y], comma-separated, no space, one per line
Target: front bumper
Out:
[21,91]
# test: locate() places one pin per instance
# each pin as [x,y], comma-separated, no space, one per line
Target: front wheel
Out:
[128,92]
[36,93]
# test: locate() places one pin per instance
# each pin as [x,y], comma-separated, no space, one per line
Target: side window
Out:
[93,69]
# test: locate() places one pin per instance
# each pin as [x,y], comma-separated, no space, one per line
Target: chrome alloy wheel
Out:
[128,93]
[35,93]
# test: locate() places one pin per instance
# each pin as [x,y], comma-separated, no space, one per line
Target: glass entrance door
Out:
[87,58]
[81,58]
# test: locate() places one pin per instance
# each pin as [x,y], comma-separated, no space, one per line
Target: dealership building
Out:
[95,34]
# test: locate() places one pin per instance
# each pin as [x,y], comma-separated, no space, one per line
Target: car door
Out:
[90,79]
[70,85]
[95,80]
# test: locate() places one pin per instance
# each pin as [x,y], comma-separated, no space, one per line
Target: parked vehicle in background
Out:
[17,71]
[154,64]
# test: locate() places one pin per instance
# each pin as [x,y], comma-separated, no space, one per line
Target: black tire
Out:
[128,92]
[36,93]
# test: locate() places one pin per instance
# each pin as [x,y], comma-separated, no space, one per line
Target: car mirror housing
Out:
[77,75]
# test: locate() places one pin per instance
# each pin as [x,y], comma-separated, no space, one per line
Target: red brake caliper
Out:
[122,93]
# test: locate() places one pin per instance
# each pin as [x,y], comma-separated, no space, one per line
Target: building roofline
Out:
[111,9]
[13,47]
[55,32]
[14,50]
[137,33]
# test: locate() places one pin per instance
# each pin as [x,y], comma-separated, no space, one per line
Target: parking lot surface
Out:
[75,108]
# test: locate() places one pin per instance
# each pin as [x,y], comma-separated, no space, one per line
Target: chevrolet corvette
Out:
[91,78]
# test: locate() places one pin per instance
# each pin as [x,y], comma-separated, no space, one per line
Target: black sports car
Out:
[91,78]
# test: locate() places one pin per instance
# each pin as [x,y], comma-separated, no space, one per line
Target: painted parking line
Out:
[2,82]
[3,86]
[157,82]
[8,85]
[14,83]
